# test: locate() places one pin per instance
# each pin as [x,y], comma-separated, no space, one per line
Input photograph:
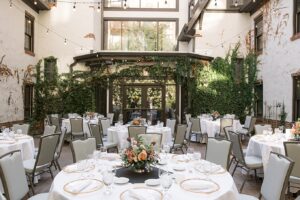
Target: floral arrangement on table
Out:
[139,157]
[215,115]
[136,122]
[91,115]
[296,130]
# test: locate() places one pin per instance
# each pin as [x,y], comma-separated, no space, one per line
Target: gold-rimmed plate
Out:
[141,193]
[83,186]
[214,169]
[198,185]
[180,158]
[74,169]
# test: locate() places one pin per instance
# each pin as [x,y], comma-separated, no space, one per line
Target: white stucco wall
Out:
[280,57]
[12,46]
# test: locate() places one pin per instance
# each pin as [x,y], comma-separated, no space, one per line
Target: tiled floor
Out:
[252,187]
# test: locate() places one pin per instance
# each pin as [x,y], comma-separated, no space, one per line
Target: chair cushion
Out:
[77,133]
[110,144]
[243,131]
[253,162]
[177,146]
[42,196]
[294,179]
[29,165]
[246,197]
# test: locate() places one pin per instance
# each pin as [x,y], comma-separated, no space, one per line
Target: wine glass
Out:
[166,182]
[166,149]
[103,151]
[108,179]
[190,153]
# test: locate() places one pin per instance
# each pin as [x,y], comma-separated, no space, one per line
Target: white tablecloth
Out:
[24,143]
[213,127]
[225,181]
[67,125]
[262,145]
[120,135]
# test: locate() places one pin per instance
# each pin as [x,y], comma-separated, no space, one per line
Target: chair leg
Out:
[255,174]
[31,184]
[182,150]
[242,186]
[50,171]
[57,164]
[230,163]
[235,168]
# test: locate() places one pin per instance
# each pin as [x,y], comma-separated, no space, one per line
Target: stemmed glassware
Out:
[166,182]
[190,153]
[108,179]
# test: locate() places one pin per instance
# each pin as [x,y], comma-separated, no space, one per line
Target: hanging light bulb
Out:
[35,2]
[98,9]
[166,2]
[216,3]
[10,3]
[236,3]
[125,5]
[253,1]
[65,41]
[47,30]
[74,7]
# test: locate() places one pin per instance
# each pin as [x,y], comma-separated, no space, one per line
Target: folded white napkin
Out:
[198,186]
[7,141]
[215,168]
[79,186]
[140,196]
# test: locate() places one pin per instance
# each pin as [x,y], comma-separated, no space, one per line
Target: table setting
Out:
[159,176]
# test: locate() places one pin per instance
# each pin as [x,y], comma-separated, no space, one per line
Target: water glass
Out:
[103,150]
[197,155]
[190,153]
[166,182]
[108,179]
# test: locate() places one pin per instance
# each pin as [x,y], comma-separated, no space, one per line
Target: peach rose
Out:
[142,156]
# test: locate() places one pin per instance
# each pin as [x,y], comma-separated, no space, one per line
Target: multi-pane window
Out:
[152,4]
[258,34]
[296,100]
[29,33]
[140,35]
[259,105]
[297,16]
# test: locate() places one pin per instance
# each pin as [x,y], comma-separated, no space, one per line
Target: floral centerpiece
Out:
[139,157]
[90,115]
[136,122]
[215,115]
[296,130]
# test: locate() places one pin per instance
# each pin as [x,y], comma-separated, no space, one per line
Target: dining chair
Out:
[218,151]
[95,130]
[135,131]
[224,122]
[187,117]
[248,127]
[44,159]
[110,116]
[171,124]
[82,148]
[271,189]
[105,124]
[76,128]
[179,138]
[49,130]
[55,122]
[23,127]
[292,150]
[13,178]
[152,137]
[195,129]
[247,163]
[260,128]
[225,130]
[59,149]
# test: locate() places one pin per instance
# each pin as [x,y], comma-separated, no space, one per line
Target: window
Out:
[258,34]
[141,4]
[259,105]
[140,35]
[296,94]
[28,101]
[297,16]
[29,33]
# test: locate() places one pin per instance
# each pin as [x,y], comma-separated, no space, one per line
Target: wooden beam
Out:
[199,7]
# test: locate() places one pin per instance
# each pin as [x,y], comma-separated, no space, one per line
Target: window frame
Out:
[157,20]
[296,30]
[257,20]
[258,100]
[176,9]
[28,17]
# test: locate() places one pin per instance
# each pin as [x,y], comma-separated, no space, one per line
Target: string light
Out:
[35,2]
[47,30]
[74,7]
[98,9]
[236,3]
[65,41]
[10,3]
[166,2]
[125,5]
[216,3]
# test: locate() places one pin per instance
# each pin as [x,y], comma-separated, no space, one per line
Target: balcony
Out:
[38,5]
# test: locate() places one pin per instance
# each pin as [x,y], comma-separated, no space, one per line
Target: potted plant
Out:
[282,116]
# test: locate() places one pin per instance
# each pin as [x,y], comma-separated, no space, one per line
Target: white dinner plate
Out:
[121,180]
[152,182]
[162,162]
[179,167]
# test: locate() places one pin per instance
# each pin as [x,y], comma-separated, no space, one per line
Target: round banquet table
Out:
[66,125]
[213,127]
[262,145]
[24,143]
[227,189]
[119,135]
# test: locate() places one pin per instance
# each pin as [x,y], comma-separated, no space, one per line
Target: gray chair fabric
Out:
[135,131]
[195,129]
[292,150]
[218,152]
[171,124]
[179,140]
[95,131]
[82,148]
[187,117]
[248,127]
[110,116]
[45,157]
[23,127]
[59,149]
[224,122]
[260,128]
[105,124]
[49,130]
[76,127]
[226,130]
[246,162]
[55,122]
[152,137]
[13,177]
